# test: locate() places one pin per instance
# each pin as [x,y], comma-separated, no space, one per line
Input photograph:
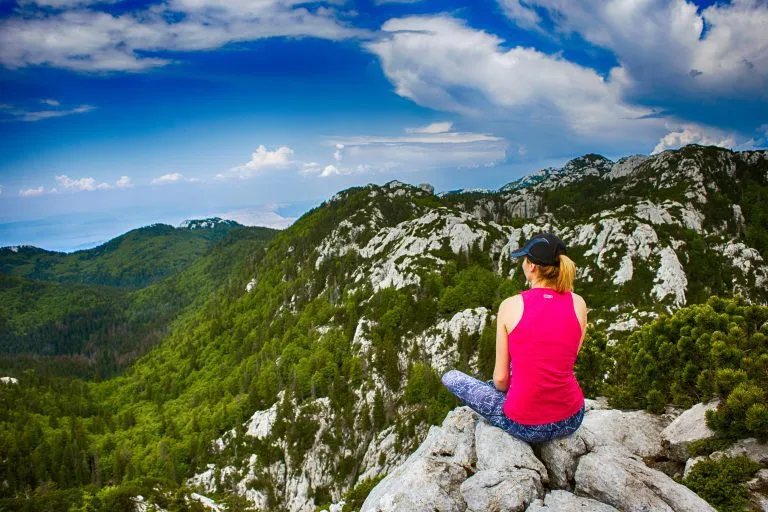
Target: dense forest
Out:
[89,427]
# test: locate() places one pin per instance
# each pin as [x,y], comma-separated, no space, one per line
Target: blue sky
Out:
[118,114]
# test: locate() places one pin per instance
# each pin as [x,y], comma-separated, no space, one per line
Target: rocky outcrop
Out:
[612,475]
[430,479]
[469,465]
[687,428]
[637,431]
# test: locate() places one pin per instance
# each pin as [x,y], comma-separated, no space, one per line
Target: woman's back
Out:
[542,349]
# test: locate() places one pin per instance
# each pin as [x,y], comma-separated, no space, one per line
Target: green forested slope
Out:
[101,329]
[133,260]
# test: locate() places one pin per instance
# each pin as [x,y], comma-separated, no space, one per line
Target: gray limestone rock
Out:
[500,451]
[751,448]
[494,490]
[430,479]
[564,501]
[637,431]
[611,475]
[561,456]
[690,426]
[598,403]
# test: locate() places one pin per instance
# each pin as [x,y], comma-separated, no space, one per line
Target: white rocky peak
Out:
[626,166]
[395,251]
[205,223]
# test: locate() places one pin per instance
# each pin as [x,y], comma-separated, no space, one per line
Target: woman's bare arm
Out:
[510,312]
[581,313]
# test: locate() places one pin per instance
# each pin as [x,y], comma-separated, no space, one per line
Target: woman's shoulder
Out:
[579,301]
[511,302]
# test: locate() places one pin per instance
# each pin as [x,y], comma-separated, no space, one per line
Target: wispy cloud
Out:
[424,147]
[94,41]
[432,128]
[16,113]
[31,192]
[261,161]
[65,184]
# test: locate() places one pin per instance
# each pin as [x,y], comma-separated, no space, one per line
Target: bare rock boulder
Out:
[564,501]
[687,428]
[431,478]
[614,476]
[637,431]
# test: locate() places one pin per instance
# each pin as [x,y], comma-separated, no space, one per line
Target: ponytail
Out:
[566,275]
[560,276]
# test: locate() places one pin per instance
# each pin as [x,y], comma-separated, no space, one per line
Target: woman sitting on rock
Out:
[534,394]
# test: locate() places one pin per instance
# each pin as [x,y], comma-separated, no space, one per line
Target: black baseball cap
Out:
[542,249]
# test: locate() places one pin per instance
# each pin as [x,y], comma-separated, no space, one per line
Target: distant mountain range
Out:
[103,307]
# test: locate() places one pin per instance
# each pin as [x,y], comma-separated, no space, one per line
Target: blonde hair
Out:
[561,276]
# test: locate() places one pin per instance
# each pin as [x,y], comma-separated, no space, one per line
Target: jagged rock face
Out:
[495,472]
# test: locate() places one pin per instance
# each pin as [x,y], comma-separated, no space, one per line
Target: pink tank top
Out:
[542,351]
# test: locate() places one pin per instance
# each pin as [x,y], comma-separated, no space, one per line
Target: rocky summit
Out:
[609,464]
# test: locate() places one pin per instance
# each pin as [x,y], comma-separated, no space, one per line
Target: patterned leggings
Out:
[486,400]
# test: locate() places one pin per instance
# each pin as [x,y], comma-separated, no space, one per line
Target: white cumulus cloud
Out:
[168,178]
[673,44]
[124,182]
[330,170]
[82,184]
[261,161]
[692,134]
[440,63]
[338,155]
